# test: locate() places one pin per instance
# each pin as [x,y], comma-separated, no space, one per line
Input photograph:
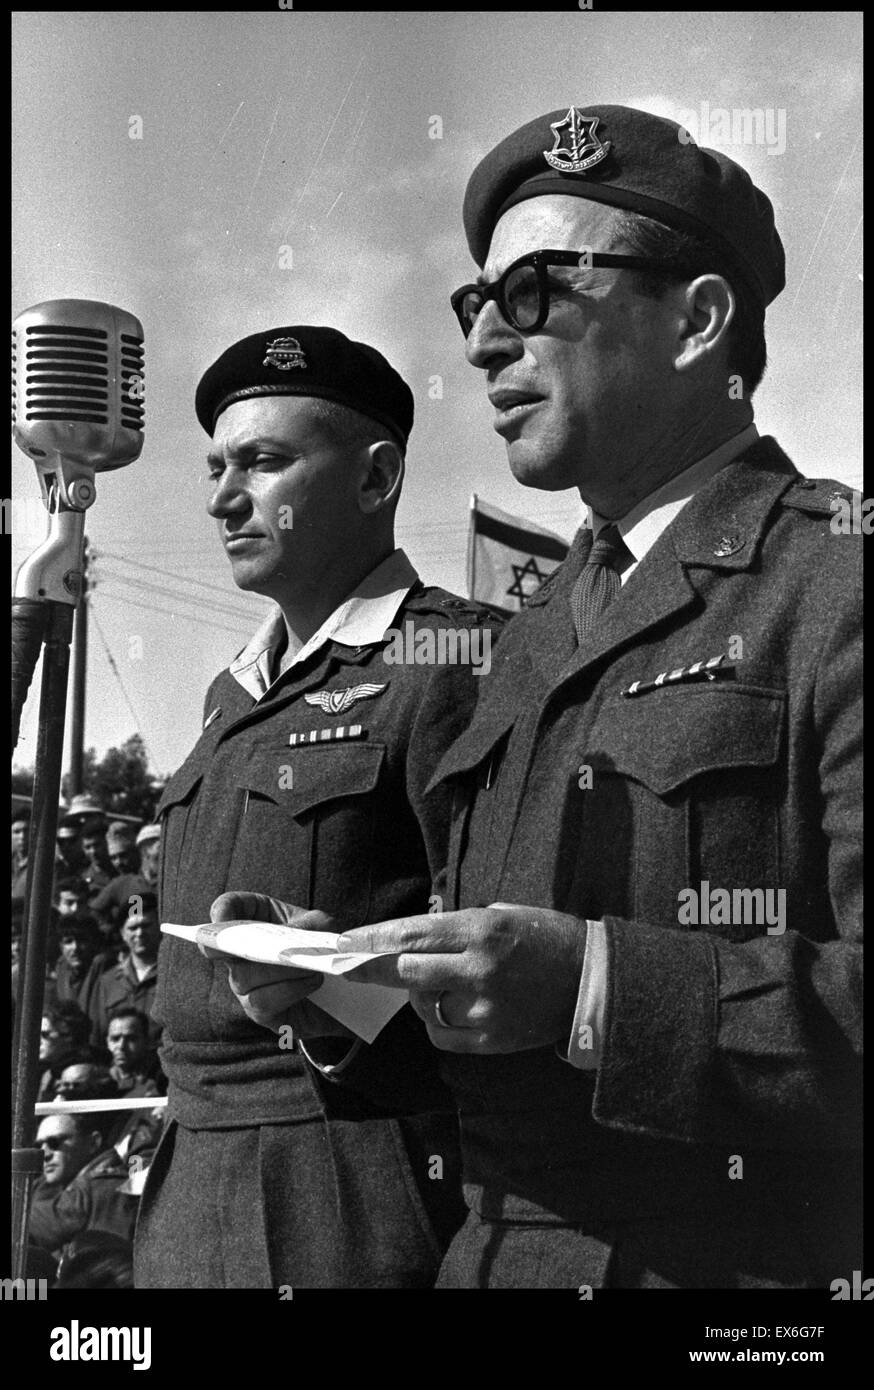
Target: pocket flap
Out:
[669,736]
[306,776]
[474,745]
[180,786]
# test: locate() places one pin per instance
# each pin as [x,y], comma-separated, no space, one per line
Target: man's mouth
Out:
[511,405]
[242,540]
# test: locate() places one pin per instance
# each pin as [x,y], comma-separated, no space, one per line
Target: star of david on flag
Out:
[508,558]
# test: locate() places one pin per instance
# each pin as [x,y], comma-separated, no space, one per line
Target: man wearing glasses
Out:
[80,1188]
[645,989]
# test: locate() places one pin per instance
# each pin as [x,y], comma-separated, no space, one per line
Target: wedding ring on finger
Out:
[438,1011]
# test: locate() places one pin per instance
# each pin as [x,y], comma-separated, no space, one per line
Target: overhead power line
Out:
[178,597]
[167,574]
[238,633]
[115,671]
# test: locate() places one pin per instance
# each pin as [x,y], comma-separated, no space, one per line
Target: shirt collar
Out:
[361,619]
[641,527]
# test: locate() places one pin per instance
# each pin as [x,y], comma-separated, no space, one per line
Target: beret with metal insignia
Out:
[307,361]
[641,163]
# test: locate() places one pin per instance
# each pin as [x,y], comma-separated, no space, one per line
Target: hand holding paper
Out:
[284,968]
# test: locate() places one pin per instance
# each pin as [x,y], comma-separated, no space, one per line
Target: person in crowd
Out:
[134,1063]
[63,1040]
[80,1185]
[69,858]
[130,878]
[79,971]
[132,981]
[98,870]
[20,850]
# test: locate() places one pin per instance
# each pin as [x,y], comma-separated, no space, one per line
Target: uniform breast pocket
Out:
[686,789]
[310,818]
[471,773]
[176,811]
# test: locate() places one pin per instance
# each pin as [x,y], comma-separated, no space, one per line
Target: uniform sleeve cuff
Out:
[583,1049]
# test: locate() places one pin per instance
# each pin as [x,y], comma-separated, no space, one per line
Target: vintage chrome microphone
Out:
[77,388]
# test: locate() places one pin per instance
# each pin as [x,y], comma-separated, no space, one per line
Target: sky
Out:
[316,133]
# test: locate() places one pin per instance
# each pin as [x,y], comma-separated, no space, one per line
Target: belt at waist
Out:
[235,1085]
[241,1082]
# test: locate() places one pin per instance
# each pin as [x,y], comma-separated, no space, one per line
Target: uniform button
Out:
[807,483]
[729,545]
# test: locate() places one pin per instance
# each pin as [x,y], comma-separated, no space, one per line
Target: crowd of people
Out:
[98,1042]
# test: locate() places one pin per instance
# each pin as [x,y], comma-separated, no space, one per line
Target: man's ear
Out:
[709,309]
[383,477]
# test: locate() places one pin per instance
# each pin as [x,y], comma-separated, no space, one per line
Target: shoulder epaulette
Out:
[820,496]
[432,599]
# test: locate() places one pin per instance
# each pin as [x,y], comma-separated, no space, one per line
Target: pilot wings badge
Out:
[339,701]
[581,148]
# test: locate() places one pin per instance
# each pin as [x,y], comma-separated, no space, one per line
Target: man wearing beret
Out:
[646,989]
[296,1154]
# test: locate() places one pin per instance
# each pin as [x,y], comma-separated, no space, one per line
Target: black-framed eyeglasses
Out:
[523,292]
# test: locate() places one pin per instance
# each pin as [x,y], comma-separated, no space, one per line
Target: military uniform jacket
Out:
[331,824]
[91,1201]
[121,987]
[720,1040]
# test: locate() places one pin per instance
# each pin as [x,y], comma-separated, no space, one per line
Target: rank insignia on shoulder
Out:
[339,731]
[338,701]
[212,717]
[684,675]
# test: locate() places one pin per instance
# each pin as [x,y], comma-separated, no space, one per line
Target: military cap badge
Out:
[338,701]
[582,148]
[285,353]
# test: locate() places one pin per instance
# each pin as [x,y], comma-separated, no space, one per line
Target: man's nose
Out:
[492,337]
[229,495]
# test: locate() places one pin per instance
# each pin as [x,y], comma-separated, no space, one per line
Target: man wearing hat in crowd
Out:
[69,858]
[646,989]
[148,844]
[98,870]
[306,1157]
[135,872]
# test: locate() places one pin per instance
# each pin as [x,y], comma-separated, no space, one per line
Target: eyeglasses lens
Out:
[522,296]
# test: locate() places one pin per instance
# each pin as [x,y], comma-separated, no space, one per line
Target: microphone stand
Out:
[47,589]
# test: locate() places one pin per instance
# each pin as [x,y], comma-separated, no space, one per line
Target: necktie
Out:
[598,582]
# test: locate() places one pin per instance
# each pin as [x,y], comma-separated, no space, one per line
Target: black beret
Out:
[642,163]
[307,361]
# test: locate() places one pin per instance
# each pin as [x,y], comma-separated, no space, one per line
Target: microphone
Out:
[77,383]
[77,393]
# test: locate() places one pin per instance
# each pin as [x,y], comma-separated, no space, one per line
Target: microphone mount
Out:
[53,572]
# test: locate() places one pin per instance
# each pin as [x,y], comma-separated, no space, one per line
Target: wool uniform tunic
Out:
[271,1171]
[716,1144]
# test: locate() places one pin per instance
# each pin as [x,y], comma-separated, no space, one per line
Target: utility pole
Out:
[80,660]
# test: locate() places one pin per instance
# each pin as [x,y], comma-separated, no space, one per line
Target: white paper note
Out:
[365,1009]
